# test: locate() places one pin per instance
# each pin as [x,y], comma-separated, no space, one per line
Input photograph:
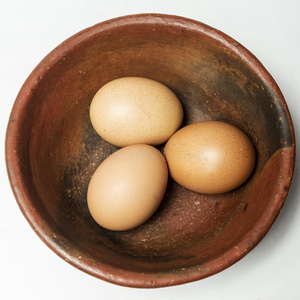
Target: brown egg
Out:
[210,157]
[135,110]
[127,187]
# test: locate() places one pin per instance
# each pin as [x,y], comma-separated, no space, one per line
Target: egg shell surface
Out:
[135,110]
[127,187]
[210,157]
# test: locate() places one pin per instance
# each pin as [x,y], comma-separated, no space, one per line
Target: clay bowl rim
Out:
[22,195]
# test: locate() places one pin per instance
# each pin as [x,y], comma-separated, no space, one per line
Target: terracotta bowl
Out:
[52,150]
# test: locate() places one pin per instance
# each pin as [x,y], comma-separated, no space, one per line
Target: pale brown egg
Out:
[127,187]
[135,110]
[210,157]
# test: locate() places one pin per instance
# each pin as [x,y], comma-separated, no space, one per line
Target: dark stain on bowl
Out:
[52,150]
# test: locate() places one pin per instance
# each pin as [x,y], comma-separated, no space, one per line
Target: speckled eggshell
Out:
[127,187]
[210,157]
[135,110]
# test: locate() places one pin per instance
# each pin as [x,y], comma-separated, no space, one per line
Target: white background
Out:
[30,29]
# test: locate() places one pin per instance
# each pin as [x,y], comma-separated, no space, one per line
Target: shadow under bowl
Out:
[52,150]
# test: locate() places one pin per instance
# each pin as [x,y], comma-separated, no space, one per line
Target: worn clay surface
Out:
[52,150]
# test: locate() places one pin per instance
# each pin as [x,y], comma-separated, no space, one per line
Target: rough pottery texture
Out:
[52,150]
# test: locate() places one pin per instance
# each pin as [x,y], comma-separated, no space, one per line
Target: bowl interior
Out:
[191,235]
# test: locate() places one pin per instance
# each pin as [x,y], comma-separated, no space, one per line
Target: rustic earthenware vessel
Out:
[52,150]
